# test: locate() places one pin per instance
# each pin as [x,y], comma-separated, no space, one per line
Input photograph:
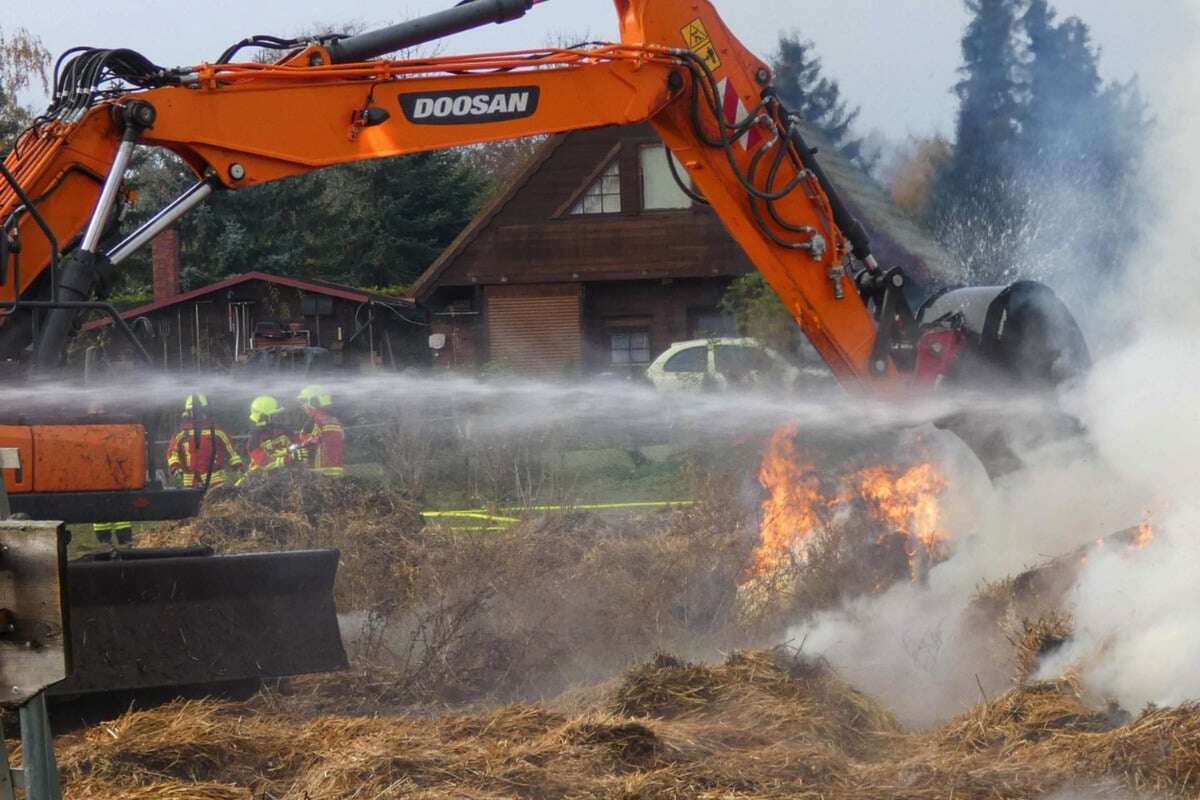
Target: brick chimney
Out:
[164,257]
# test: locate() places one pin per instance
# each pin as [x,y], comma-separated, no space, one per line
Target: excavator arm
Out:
[238,125]
[328,102]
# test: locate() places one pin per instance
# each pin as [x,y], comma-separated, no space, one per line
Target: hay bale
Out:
[199,742]
[665,688]
[1159,752]
[774,692]
[1034,640]
[1031,713]
[773,727]
[631,744]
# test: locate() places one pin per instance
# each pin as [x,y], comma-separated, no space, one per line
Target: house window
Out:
[630,348]
[659,188]
[705,323]
[603,196]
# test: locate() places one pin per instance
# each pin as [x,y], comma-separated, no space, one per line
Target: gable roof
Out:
[898,239]
[895,235]
[312,287]
[429,278]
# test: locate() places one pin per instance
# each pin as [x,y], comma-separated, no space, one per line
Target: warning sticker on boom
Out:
[700,43]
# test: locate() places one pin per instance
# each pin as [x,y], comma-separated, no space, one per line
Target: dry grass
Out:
[761,725]
[290,510]
[499,625]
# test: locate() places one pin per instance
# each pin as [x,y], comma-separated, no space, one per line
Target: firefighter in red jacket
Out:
[323,440]
[201,455]
[270,443]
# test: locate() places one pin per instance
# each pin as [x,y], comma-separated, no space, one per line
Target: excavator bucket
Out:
[143,619]
[1024,344]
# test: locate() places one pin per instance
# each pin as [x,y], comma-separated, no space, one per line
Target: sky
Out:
[897,59]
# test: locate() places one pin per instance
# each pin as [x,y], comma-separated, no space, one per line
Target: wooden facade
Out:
[533,287]
[223,325]
[578,266]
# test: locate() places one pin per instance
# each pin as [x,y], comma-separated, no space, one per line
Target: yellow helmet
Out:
[195,404]
[263,408]
[315,396]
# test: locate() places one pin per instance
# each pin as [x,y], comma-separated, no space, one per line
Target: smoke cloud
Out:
[1138,631]
[1137,627]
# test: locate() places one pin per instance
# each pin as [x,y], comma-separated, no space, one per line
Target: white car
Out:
[720,364]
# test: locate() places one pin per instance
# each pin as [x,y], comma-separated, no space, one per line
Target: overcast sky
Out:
[895,58]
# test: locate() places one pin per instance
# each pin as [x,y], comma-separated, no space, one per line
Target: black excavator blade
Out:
[143,619]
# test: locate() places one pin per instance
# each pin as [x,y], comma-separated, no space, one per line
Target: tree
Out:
[975,208]
[23,61]
[498,163]
[13,120]
[376,223]
[1079,150]
[910,172]
[806,91]
[1045,155]
[395,216]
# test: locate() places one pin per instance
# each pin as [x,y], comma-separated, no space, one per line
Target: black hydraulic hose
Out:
[38,220]
[851,228]
[212,452]
[684,186]
[463,17]
[80,273]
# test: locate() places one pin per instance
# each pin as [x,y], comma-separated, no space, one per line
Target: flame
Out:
[905,500]
[789,514]
[1143,536]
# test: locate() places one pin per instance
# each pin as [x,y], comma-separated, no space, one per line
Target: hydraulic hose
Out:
[463,17]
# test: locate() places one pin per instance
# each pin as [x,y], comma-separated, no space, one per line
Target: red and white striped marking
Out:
[736,113]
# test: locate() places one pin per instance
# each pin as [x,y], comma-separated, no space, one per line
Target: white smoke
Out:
[1138,626]
[922,647]
[1137,612]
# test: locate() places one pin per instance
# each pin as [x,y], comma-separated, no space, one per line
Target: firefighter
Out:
[323,440]
[270,443]
[201,454]
[106,531]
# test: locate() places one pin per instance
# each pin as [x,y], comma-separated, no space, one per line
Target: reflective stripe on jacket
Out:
[325,443]
[269,448]
[192,449]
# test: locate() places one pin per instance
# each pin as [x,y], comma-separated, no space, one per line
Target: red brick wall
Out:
[164,256]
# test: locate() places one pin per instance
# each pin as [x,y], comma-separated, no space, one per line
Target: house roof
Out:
[429,278]
[312,287]
[897,236]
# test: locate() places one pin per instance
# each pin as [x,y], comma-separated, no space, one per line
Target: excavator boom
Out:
[677,66]
[326,102]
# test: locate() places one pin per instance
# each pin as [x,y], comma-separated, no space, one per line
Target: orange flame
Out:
[905,500]
[1143,536]
[789,514]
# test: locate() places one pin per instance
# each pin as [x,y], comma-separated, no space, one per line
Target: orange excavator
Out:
[335,99]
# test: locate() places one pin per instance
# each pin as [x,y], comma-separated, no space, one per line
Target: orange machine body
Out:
[251,123]
[245,124]
[76,458]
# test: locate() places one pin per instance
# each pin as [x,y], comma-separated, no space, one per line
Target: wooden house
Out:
[594,260]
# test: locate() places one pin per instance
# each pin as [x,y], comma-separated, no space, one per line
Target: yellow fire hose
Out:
[500,520]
